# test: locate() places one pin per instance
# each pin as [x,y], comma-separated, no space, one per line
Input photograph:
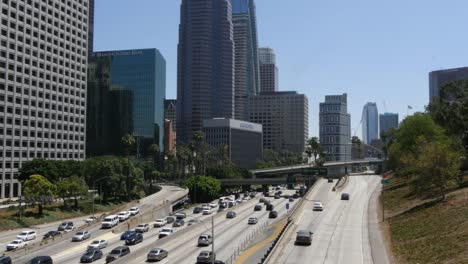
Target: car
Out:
[246,194]
[206,257]
[291,199]
[239,201]
[192,222]
[5,260]
[252,220]
[231,204]
[134,210]
[81,235]
[98,244]
[330,179]
[277,196]
[90,219]
[65,225]
[134,239]
[273,214]
[231,214]
[91,255]
[269,207]
[266,201]
[16,244]
[262,200]
[207,211]
[345,196]
[69,229]
[160,223]
[51,234]
[258,207]
[41,260]
[303,237]
[27,235]
[197,210]
[204,240]
[170,219]
[141,228]
[180,215]
[157,254]
[110,221]
[253,194]
[178,223]
[166,232]
[318,206]
[223,205]
[213,205]
[126,234]
[123,216]
[117,252]
[295,195]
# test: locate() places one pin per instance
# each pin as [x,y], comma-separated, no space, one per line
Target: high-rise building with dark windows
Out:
[205,66]
[437,79]
[247,79]
[268,70]
[388,121]
[43,58]
[126,92]
[91,27]
[370,123]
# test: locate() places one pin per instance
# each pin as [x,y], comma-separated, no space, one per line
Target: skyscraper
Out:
[247,79]
[205,66]
[170,112]
[370,123]
[42,84]
[91,27]
[335,127]
[437,79]
[268,70]
[388,121]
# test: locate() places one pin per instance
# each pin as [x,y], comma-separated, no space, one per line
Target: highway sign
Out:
[315,171]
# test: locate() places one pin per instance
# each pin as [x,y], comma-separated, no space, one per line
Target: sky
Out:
[375,51]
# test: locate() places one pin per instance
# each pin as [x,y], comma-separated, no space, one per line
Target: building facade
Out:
[370,123]
[205,66]
[169,138]
[126,92]
[284,117]
[247,79]
[335,127]
[91,28]
[43,58]
[268,70]
[170,112]
[437,79]
[242,139]
[388,121]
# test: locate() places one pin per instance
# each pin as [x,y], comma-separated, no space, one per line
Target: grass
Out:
[9,218]
[427,231]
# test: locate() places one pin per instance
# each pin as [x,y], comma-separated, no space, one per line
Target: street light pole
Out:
[94,189]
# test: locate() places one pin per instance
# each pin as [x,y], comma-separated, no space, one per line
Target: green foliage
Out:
[278,159]
[36,187]
[314,149]
[41,167]
[202,188]
[128,141]
[72,187]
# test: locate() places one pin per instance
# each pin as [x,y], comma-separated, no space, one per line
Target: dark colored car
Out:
[41,260]
[269,207]
[170,219]
[126,234]
[50,234]
[117,252]
[266,194]
[91,255]
[273,214]
[277,196]
[258,207]
[178,223]
[65,225]
[345,196]
[296,195]
[330,179]
[253,194]
[5,260]
[134,239]
[206,257]
[291,199]
[197,210]
[303,237]
[231,214]
[262,200]
[180,215]
[157,254]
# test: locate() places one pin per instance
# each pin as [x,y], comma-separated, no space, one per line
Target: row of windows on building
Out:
[39,155]
[65,91]
[6,191]
[46,115]
[332,119]
[333,139]
[334,108]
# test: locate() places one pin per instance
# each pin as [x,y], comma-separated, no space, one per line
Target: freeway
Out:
[341,231]
[62,249]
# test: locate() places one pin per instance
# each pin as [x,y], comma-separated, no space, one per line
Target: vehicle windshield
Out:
[155,251]
[95,242]
[16,242]
[89,253]
[115,252]
[79,233]
[23,233]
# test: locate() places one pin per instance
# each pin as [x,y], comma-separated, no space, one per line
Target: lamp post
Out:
[212,236]
[94,189]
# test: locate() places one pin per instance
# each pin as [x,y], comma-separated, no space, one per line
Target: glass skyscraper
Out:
[205,66]
[388,121]
[126,92]
[370,123]
[268,70]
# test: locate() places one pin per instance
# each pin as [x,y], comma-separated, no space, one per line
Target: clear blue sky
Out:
[376,51]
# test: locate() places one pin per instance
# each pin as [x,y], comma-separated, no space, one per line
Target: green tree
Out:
[72,187]
[313,148]
[128,141]
[38,188]
[154,150]
[202,188]
[47,168]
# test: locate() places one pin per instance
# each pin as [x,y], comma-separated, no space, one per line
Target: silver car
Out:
[98,244]
[82,235]
[157,254]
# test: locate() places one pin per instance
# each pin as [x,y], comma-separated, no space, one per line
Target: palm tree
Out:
[155,152]
[314,148]
[128,141]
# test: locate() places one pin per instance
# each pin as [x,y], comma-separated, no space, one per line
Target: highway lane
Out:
[63,249]
[340,230]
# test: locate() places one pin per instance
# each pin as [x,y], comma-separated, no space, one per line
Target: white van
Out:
[110,221]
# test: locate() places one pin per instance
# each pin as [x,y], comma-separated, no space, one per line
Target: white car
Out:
[160,223]
[123,216]
[27,235]
[16,244]
[90,219]
[141,228]
[81,235]
[206,211]
[318,206]
[134,210]
[213,205]
[166,232]
[98,244]
[252,220]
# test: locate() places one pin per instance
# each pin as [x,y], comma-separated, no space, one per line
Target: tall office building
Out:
[335,127]
[388,121]
[43,58]
[285,120]
[247,79]
[370,123]
[205,66]
[437,79]
[268,70]
[126,92]
[170,112]
[90,27]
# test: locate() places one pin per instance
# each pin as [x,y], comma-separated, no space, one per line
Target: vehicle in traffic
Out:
[16,244]
[134,210]
[170,219]
[204,240]
[345,196]
[126,234]
[269,207]
[231,214]
[223,205]
[91,255]
[141,228]
[166,232]
[207,211]
[123,216]
[178,223]
[157,254]
[51,234]
[303,237]
[27,235]
[98,244]
[258,207]
[180,215]
[231,204]
[5,260]
[206,257]
[212,205]
[291,199]
[330,179]
[277,196]
[90,219]
[110,221]
[192,222]
[295,195]
[81,235]
[134,239]
[253,194]
[252,220]
[318,206]
[160,223]
[262,200]
[117,252]
[273,214]
[41,260]
[69,229]
[65,225]
[197,210]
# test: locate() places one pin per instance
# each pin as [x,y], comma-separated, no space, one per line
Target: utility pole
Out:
[212,240]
